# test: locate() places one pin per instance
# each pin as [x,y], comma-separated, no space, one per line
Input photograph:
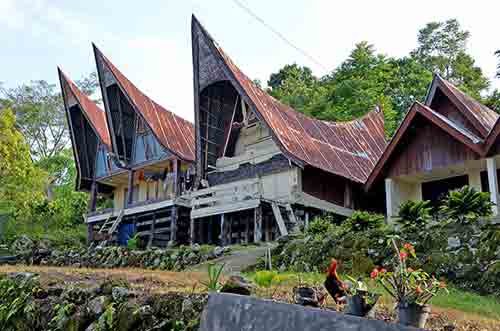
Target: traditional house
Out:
[449,141]
[263,167]
[136,153]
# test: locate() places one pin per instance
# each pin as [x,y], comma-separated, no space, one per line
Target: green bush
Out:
[465,206]
[414,215]
[319,226]
[363,221]
[265,278]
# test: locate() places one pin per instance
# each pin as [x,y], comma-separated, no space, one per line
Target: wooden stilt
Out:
[192,239]
[210,222]
[90,233]
[230,230]
[222,230]
[173,225]
[247,230]
[257,232]
[152,235]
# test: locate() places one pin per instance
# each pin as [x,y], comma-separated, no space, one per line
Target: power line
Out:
[279,34]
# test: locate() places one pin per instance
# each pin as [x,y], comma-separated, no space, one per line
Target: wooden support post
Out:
[222,230]
[93,196]
[491,166]
[130,187]
[306,220]
[257,232]
[90,233]
[191,232]
[152,229]
[246,234]
[200,231]
[176,183]
[173,225]
[230,229]
[209,230]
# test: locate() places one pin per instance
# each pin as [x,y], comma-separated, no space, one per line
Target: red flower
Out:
[403,255]
[374,273]
[408,246]
[382,270]
[419,290]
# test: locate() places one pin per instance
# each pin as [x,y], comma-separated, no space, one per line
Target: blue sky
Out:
[149,40]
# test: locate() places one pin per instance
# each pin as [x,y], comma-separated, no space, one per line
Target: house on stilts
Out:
[252,169]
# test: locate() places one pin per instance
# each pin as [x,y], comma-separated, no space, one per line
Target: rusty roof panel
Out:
[95,115]
[348,149]
[173,132]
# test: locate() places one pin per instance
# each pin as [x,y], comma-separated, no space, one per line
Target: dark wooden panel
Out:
[324,185]
[437,189]
[426,148]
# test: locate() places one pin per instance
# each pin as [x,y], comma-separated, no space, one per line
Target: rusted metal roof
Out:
[94,114]
[172,131]
[348,149]
[458,132]
[482,117]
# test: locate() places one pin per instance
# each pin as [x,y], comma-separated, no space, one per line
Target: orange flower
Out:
[374,273]
[382,270]
[403,255]
[442,284]
[419,290]
[410,270]
[408,246]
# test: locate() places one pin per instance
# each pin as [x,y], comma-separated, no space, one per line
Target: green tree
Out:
[20,180]
[39,110]
[442,48]
[295,86]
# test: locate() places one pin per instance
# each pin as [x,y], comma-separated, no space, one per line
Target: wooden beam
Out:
[176,181]
[222,230]
[228,135]
[192,239]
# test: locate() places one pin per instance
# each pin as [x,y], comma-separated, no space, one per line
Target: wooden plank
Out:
[228,208]
[279,219]
[158,221]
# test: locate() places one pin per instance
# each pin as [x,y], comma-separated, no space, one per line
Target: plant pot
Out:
[361,304]
[413,314]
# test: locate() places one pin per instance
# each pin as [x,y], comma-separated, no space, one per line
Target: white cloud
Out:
[10,14]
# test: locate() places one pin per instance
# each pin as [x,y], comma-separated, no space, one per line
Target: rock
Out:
[97,306]
[196,248]
[22,277]
[305,296]
[119,294]
[22,245]
[218,251]
[238,285]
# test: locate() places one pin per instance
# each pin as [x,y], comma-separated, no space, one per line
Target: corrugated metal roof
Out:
[95,115]
[348,149]
[173,132]
[483,117]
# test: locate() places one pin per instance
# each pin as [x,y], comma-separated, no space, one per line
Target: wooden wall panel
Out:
[425,148]
[324,185]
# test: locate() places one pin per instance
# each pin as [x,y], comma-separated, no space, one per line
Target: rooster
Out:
[334,285]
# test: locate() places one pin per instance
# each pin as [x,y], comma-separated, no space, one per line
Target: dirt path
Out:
[238,260]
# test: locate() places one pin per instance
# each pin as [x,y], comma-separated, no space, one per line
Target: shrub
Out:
[466,206]
[265,278]
[363,221]
[319,226]
[414,215]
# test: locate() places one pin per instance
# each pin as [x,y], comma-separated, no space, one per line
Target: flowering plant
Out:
[405,284]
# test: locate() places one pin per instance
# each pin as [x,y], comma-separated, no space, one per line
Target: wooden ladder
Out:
[279,219]
[110,225]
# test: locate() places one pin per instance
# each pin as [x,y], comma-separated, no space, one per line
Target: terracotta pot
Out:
[413,314]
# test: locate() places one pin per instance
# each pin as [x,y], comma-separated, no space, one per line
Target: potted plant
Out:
[411,288]
[360,302]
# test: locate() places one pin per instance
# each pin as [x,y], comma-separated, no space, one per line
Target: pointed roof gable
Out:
[459,133]
[173,132]
[349,149]
[481,117]
[93,113]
